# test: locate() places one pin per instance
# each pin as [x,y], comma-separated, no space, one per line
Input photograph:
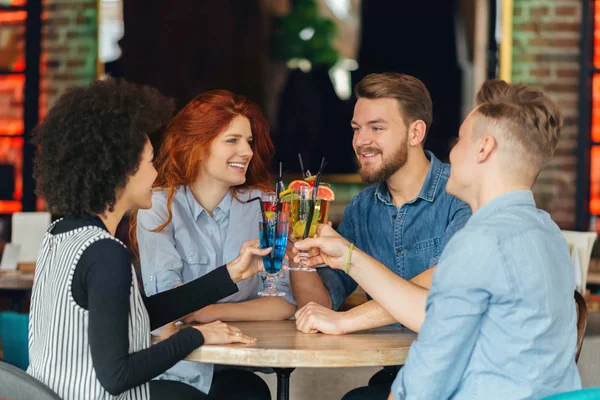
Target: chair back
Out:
[581,244]
[19,385]
[581,322]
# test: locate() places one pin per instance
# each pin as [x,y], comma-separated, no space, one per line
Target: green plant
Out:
[304,34]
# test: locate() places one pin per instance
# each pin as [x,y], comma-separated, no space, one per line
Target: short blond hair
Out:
[525,115]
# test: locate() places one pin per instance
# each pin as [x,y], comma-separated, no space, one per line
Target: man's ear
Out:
[487,144]
[416,133]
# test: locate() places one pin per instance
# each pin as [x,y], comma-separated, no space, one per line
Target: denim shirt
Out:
[192,245]
[407,239]
[501,319]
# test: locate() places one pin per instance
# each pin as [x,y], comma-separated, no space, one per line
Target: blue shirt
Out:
[501,319]
[192,245]
[407,239]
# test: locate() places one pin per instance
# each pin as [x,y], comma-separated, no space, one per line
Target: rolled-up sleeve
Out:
[160,261]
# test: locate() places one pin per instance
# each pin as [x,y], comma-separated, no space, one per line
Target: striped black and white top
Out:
[59,347]
[90,326]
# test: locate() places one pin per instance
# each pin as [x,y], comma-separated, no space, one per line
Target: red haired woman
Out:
[214,157]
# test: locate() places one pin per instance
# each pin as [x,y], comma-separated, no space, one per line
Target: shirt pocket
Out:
[425,251]
[195,265]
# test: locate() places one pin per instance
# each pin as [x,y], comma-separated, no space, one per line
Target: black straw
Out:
[278,207]
[265,227]
[301,166]
[262,208]
[278,189]
[313,202]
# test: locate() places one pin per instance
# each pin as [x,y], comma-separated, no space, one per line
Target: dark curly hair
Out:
[91,142]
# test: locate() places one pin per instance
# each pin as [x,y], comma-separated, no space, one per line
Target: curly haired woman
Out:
[89,331]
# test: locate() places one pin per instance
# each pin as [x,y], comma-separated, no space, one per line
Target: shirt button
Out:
[398,251]
[394,216]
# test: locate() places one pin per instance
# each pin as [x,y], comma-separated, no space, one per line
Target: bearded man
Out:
[403,219]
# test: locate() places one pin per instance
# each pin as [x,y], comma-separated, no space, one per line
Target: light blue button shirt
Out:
[501,319]
[192,245]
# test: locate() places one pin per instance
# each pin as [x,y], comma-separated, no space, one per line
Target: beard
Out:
[390,165]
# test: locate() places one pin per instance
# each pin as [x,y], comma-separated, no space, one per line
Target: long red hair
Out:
[188,138]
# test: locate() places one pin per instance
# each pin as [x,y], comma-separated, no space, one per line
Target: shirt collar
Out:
[221,211]
[521,197]
[430,185]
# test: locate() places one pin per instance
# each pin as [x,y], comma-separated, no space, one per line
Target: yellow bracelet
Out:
[347,265]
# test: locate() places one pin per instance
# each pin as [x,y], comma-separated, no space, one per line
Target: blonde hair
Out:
[525,116]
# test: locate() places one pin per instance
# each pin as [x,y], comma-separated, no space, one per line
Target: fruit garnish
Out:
[289,197]
[297,185]
[324,193]
[285,193]
[269,206]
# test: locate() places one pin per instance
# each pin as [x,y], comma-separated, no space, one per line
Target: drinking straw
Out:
[313,202]
[278,207]
[301,166]
[262,209]
[265,226]
[278,188]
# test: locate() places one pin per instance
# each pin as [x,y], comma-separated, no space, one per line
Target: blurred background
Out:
[299,60]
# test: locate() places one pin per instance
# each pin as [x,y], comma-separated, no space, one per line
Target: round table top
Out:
[281,345]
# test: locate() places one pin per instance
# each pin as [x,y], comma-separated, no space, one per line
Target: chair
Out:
[581,244]
[13,331]
[581,322]
[18,385]
[584,394]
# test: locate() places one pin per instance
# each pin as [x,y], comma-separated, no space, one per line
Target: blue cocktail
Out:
[274,234]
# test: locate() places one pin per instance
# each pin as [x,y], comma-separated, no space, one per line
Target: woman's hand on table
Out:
[220,333]
[248,262]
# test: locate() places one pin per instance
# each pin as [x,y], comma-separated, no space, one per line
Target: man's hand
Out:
[314,318]
[328,248]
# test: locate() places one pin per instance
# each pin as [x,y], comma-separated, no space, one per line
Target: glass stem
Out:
[303,257]
[271,279]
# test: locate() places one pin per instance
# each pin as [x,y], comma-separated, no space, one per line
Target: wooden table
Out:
[18,284]
[282,347]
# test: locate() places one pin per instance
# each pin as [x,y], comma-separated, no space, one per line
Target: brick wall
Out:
[546,54]
[69,47]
